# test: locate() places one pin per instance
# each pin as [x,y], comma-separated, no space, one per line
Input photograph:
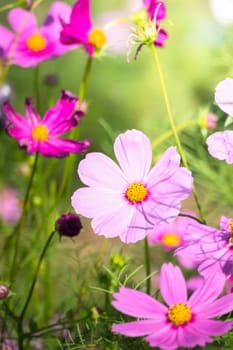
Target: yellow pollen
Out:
[97,38]
[36,42]
[231,226]
[179,314]
[136,192]
[171,239]
[40,133]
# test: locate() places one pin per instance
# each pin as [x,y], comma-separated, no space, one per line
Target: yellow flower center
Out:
[40,133]
[179,314]
[136,192]
[171,239]
[36,42]
[97,38]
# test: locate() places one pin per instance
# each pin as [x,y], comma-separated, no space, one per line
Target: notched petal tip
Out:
[67,95]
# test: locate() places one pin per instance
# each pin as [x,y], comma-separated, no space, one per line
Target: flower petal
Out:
[138,328]
[224,95]
[216,308]
[7,38]
[138,304]
[211,327]
[17,120]
[220,145]
[134,154]
[62,111]
[188,337]
[209,290]
[69,146]
[98,170]
[32,116]
[172,285]
[21,20]
[161,339]
[97,202]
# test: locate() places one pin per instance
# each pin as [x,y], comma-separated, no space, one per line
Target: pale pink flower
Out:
[128,200]
[210,247]
[220,144]
[183,322]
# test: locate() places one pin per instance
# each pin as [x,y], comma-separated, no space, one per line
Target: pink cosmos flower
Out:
[211,247]
[182,322]
[27,44]
[220,144]
[171,236]
[80,30]
[10,207]
[43,135]
[128,200]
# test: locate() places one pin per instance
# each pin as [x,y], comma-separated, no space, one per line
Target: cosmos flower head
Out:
[220,144]
[79,29]
[27,44]
[128,199]
[210,247]
[187,321]
[43,135]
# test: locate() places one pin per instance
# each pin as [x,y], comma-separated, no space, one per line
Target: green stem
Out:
[169,133]
[172,124]
[81,95]
[18,228]
[85,80]
[147,265]
[21,317]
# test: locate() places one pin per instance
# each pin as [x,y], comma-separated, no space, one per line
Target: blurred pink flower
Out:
[220,144]
[210,247]
[127,201]
[78,29]
[27,45]
[10,207]
[171,236]
[208,121]
[183,322]
[43,135]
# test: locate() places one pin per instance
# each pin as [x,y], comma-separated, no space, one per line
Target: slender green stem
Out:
[147,265]
[30,293]
[85,81]
[169,133]
[19,226]
[172,124]
[70,161]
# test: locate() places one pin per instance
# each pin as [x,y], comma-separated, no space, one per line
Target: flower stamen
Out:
[36,42]
[97,38]
[171,239]
[136,193]
[40,133]
[179,314]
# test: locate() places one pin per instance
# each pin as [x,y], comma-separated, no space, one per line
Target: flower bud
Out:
[4,291]
[68,225]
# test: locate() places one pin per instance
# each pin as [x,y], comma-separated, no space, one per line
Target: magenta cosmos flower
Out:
[80,30]
[211,247]
[127,200]
[220,144]
[43,135]
[182,322]
[27,44]
[157,12]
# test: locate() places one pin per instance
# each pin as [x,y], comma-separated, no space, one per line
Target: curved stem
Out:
[18,228]
[172,124]
[147,265]
[169,133]
[30,293]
